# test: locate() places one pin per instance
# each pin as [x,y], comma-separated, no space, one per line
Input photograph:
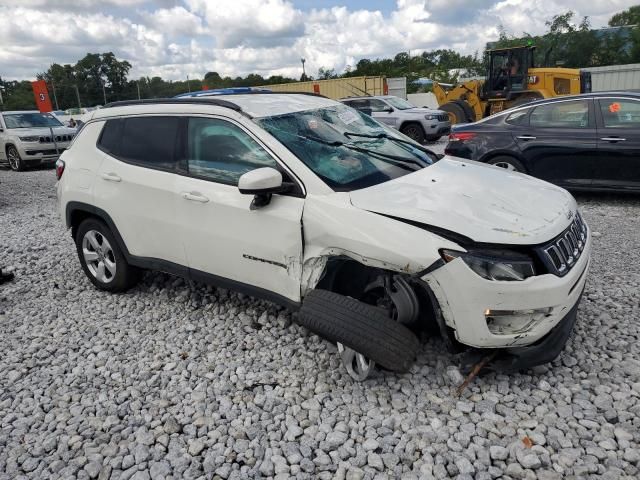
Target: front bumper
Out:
[464,297]
[433,128]
[34,153]
[541,352]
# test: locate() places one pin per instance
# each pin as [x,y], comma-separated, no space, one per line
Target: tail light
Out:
[59,169]
[461,136]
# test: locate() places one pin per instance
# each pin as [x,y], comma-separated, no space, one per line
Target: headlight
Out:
[30,139]
[431,117]
[498,265]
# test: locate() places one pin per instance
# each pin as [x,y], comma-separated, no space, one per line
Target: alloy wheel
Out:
[99,256]
[14,158]
[412,132]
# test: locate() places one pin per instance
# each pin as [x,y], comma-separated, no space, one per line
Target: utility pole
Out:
[303,72]
[138,84]
[78,96]
[55,98]
[104,93]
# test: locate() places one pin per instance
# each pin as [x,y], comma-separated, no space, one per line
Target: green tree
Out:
[628,17]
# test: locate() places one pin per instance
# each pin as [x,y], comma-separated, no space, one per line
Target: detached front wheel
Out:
[102,259]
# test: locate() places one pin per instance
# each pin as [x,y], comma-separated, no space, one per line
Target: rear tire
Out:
[508,163]
[102,259]
[455,111]
[361,327]
[414,131]
[15,161]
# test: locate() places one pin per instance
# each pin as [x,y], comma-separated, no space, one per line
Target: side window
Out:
[359,104]
[111,136]
[620,113]
[377,105]
[222,152]
[145,141]
[572,114]
[518,118]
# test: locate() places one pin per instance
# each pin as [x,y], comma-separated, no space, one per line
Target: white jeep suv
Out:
[30,138]
[309,203]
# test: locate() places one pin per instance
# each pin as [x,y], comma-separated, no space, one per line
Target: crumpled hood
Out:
[482,202]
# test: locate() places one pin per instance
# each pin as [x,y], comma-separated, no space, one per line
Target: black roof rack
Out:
[155,101]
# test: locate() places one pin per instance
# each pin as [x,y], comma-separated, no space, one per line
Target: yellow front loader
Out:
[511,80]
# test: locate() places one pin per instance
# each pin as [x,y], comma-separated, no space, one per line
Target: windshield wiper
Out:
[390,137]
[395,158]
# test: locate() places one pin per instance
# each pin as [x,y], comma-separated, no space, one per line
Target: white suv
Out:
[304,201]
[29,138]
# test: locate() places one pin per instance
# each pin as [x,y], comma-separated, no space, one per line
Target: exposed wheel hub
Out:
[396,296]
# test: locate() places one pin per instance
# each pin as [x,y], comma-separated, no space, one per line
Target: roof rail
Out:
[179,101]
[218,93]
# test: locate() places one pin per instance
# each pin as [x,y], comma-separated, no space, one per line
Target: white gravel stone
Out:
[176,379]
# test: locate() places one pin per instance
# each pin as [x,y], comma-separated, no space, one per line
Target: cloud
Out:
[176,38]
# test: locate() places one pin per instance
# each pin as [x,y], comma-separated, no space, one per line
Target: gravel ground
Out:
[180,380]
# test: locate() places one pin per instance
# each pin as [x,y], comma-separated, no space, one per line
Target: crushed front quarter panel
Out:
[333,227]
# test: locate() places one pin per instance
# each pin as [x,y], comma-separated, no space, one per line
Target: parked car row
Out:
[585,142]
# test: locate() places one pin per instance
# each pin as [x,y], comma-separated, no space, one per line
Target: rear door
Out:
[559,143]
[136,184]
[618,163]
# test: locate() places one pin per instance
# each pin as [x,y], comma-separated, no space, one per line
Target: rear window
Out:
[518,118]
[567,114]
[145,141]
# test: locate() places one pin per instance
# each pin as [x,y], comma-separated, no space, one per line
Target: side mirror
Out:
[388,109]
[262,183]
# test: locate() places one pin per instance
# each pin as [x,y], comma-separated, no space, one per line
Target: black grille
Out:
[443,117]
[562,253]
[58,138]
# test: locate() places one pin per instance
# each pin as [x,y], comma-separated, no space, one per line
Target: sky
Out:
[179,38]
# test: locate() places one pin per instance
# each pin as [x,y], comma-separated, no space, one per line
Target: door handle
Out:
[613,139]
[194,197]
[111,177]
[526,137]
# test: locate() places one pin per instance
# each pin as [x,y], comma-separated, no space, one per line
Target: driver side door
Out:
[227,242]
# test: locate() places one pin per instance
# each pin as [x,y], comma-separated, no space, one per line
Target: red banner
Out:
[42,96]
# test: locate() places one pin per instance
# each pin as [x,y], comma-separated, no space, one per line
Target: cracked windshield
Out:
[346,148]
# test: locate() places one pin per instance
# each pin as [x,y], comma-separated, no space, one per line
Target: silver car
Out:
[32,138]
[420,124]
